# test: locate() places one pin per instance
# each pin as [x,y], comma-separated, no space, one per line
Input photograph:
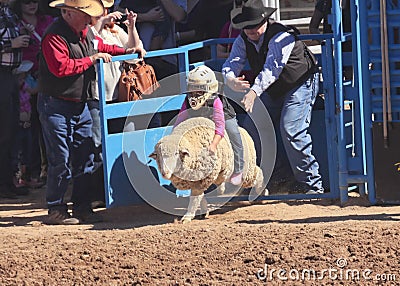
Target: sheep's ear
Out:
[184,152]
[153,155]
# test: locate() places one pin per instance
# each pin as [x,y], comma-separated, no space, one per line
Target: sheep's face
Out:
[168,155]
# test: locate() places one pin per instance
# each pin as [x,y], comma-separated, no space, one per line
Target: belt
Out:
[70,99]
[77,100]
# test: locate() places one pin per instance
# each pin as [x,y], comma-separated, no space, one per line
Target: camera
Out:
[123,18]
[24,31]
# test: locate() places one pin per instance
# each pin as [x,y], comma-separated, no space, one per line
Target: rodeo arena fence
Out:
[354,132]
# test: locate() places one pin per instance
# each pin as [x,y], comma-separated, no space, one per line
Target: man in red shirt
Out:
[69,51]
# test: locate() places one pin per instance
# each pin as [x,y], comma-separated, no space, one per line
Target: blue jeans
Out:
[67,133]
[94,109]
[97,178]
[232,129]
[291,117]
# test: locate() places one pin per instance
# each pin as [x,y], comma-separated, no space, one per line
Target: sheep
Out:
[183,158]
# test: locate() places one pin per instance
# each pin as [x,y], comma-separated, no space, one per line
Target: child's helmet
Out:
[201,84]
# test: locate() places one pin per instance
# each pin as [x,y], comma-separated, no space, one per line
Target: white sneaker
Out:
[315,192]
[236,179]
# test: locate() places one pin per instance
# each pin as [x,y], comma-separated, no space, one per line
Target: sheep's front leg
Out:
[221,189]
[194,203]
[259,183]
[204,207]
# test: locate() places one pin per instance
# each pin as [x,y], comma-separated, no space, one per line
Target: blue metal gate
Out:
[350,103]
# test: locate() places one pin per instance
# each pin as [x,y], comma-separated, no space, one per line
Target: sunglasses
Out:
[29,1]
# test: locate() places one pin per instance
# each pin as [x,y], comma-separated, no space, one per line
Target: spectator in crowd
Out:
[22,154]
[165,66]
[176,11]
[204,21]
[323,8]
[161,28]
[11,42]
[188,31]
[30,15]
[167,10]
[105,27]
[47,10]
[212,17]
[223,50]
[287,84]
[69,51]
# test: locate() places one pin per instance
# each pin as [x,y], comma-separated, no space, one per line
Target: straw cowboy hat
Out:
[25,66]
[93,8]
[107,3]
[252,13]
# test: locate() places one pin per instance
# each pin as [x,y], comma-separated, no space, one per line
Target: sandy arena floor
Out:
[264,243]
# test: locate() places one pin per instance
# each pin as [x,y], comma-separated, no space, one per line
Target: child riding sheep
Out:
[204,100]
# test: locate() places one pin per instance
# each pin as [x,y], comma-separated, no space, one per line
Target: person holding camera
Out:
[108,27]
[11,44]
[33,23]
[67,76]
[287,84]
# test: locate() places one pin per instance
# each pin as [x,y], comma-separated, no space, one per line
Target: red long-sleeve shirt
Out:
[56,54]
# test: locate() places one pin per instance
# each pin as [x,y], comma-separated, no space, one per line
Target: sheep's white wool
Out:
[184,152]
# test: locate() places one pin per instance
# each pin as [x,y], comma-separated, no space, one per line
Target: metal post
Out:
[384,60]
[361,46]
[338,38]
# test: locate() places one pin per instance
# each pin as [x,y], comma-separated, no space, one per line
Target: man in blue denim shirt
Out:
[287,84]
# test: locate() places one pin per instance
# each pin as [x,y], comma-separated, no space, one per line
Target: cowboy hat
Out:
[93,8]
[107,3]
[25,66]
[252,13]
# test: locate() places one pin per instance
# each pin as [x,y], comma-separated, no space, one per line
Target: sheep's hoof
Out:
[186,219]
[206,215]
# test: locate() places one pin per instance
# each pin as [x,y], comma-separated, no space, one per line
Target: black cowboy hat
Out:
[251,14]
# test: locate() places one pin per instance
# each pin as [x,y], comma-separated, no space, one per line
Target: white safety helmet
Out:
[201,84]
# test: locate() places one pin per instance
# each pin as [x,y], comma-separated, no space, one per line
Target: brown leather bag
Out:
[137,79]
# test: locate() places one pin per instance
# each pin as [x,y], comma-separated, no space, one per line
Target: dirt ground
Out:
[313,242]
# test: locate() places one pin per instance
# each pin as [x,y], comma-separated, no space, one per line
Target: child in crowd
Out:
[204,100]
[22,154]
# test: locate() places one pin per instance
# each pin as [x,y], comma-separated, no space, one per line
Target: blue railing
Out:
[122,189]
